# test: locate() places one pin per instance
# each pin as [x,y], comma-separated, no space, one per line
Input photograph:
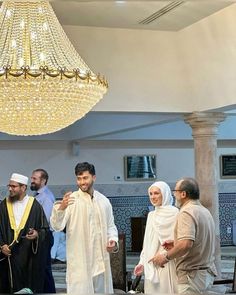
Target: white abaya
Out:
[159,228]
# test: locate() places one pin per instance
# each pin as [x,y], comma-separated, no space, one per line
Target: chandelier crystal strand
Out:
[45,85]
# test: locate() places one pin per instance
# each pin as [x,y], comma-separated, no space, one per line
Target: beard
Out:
[14,198]
[177,204]
[86,188]
[34,186]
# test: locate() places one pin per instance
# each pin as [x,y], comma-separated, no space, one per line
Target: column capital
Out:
[204,123]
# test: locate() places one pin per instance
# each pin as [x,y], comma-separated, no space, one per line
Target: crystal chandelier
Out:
[44,83]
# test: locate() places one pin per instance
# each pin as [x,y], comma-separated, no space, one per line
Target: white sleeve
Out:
[141,259]
[59,218]
[112,233]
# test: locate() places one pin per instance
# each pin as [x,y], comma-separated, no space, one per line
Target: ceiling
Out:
[158,15]
[144,15]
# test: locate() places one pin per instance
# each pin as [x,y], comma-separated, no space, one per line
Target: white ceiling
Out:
[124,14]
[129,14]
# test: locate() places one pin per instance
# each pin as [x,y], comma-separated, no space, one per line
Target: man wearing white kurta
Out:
[90,234]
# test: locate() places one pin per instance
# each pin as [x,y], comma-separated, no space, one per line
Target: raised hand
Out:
[66,201]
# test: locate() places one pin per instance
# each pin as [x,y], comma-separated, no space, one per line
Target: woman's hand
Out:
[138,270]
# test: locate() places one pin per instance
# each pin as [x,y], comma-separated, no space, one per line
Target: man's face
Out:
[36,181]
[85,181]
[16,190]
[178,195]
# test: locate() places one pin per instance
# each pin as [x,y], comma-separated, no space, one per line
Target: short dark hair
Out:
[190,186]
[85,166]
[44,174]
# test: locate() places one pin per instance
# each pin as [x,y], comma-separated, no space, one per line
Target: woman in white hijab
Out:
[159,228]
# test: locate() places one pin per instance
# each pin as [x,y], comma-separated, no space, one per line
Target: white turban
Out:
[167,198]
[19,178]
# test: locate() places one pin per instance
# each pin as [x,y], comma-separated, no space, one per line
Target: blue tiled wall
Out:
[227,213]
[126,207]
[131,206]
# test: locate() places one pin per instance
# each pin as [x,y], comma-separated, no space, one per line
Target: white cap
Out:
[19,178]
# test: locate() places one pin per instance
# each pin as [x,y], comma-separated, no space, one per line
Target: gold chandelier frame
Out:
[45,72]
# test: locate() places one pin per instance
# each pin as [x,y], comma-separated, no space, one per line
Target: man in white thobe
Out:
[90,234]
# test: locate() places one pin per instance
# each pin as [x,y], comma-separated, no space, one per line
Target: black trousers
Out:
[49,284]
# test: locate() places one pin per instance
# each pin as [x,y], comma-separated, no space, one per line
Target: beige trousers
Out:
[202,283]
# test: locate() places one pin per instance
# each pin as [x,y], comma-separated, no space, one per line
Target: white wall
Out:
[58,160]
[189,70]
[143,68]
[209,58]
[173,161]
[109,162]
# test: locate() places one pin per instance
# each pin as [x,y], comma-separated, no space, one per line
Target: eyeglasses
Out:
[12,186]
[176,190]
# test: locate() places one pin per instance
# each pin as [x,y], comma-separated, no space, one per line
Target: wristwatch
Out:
[166,257]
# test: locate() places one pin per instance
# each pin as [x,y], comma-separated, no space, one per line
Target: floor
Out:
[227,253]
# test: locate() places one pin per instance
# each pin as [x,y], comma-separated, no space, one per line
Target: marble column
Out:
[204,131]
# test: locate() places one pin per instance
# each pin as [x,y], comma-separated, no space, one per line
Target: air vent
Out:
[161,12]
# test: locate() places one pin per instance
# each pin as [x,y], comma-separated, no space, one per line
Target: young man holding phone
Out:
[90,234]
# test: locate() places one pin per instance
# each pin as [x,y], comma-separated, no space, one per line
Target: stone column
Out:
[204,131]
